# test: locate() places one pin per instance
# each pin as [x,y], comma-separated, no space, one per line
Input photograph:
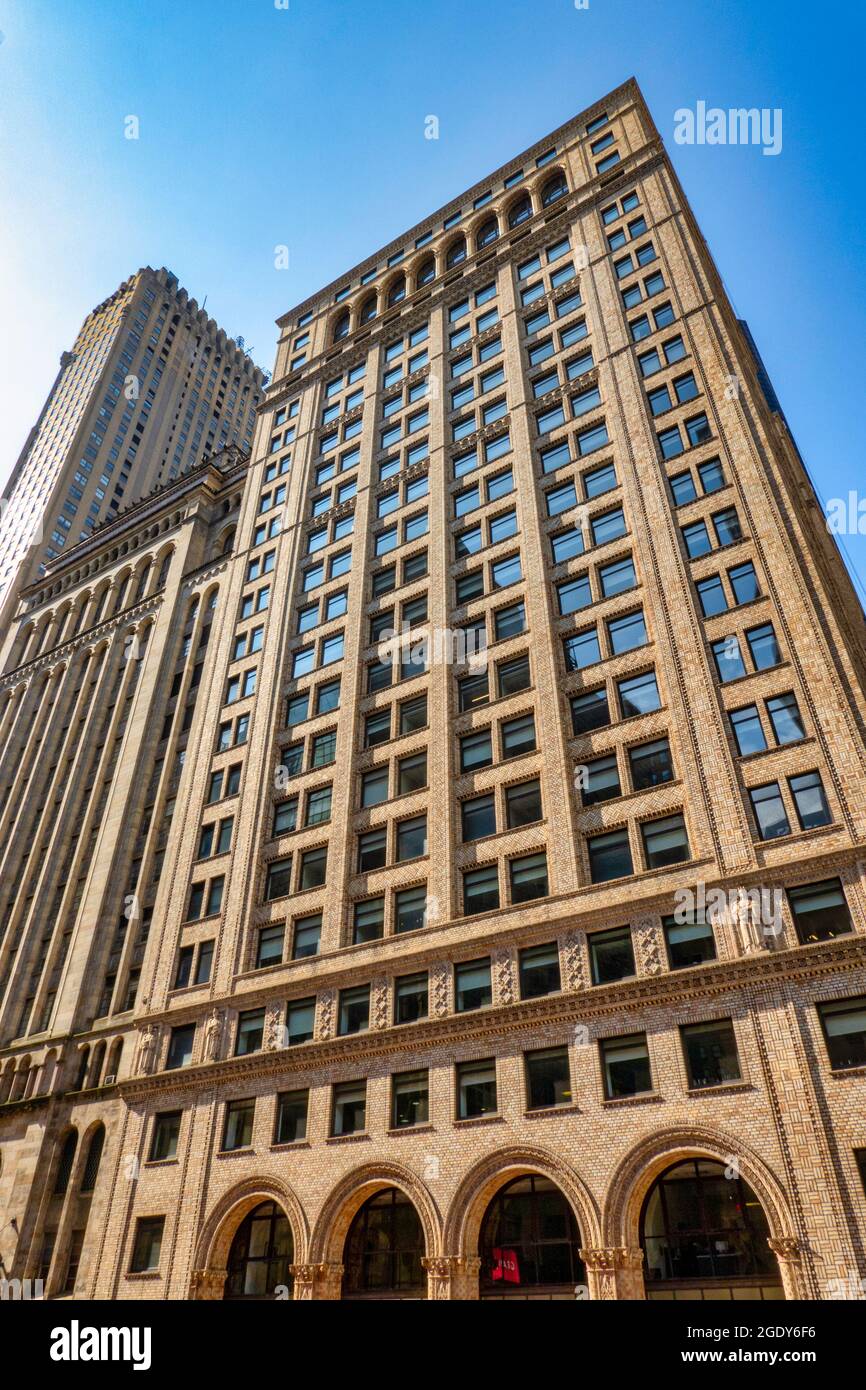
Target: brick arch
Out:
[218,1231]
[483,1181]
[350,1194]
[639,1169]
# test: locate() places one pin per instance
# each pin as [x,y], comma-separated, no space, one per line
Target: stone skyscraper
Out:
[516,954]
[151,383]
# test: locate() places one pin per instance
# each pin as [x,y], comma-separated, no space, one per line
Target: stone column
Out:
[207,1285]
[789,1253]
[452,1277]
[614,1273]
[318,1282]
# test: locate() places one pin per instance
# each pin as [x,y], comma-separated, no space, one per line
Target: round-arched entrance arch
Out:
[529,1243]
[384,1249]
[704,1236]
[261,1252]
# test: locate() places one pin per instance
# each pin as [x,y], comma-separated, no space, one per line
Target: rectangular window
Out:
[688,943]
[279,878]
[238,1127]
[820,911]
[307,936]
[590,711]
[476,1089]
[529,878]
[651,764]
[410,909]
[748,730]
[349,1114]
[582,650]
[609,856]
[611,955]
[251,1031]
[369,922]
[410,1095]
[711,1053]
[518,736]
[844,1025]
[472,985]
[626,1066]
[548,1078]
[291,1122]
[410,998]
[665,841]
[148,1244]
[539,971]
[354,1010]
[769,810]
[270,946]
[599,780]
[180,1047]
[166,1133]
[764,647]
[786,718]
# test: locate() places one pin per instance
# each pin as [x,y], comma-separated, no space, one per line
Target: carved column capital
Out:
[614,1272]
[207,1284]
[451,1276]
[786,1247]
[319,1282]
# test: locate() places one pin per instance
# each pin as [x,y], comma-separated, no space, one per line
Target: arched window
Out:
[397,291]
[529,1241]
[368,309]
[163,572]
[83,1064]
[703,1231]
[341,327]
[487,232]
[121,593]
[142,583]
[520,211]
[384,1248]
[67,1158]
[426,273]
[456,252]
[91,1163]
[556,187]
[261,1253]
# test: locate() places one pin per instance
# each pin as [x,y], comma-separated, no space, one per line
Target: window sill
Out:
[542,1112]
[644,1098]
[289,1145]
[425,1128]
[842,1073]
[471,1120]
[236,1153]
[160,1162]
[724,1087]
[141,1275]
[348,1138]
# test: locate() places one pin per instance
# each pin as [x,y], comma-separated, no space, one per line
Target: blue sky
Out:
[304,126]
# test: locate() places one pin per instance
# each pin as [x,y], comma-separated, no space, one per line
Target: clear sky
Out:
[262,125]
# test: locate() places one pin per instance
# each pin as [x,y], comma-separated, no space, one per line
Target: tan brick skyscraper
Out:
[363,970]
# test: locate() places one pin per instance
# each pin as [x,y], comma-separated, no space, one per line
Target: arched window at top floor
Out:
[520,211]
[487,233]
[397,291]
[555,188]
[456,253]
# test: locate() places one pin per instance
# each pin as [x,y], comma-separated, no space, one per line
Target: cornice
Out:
[698,984]
[619,97]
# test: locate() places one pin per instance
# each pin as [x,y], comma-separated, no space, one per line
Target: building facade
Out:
[436,870]
[151,384]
